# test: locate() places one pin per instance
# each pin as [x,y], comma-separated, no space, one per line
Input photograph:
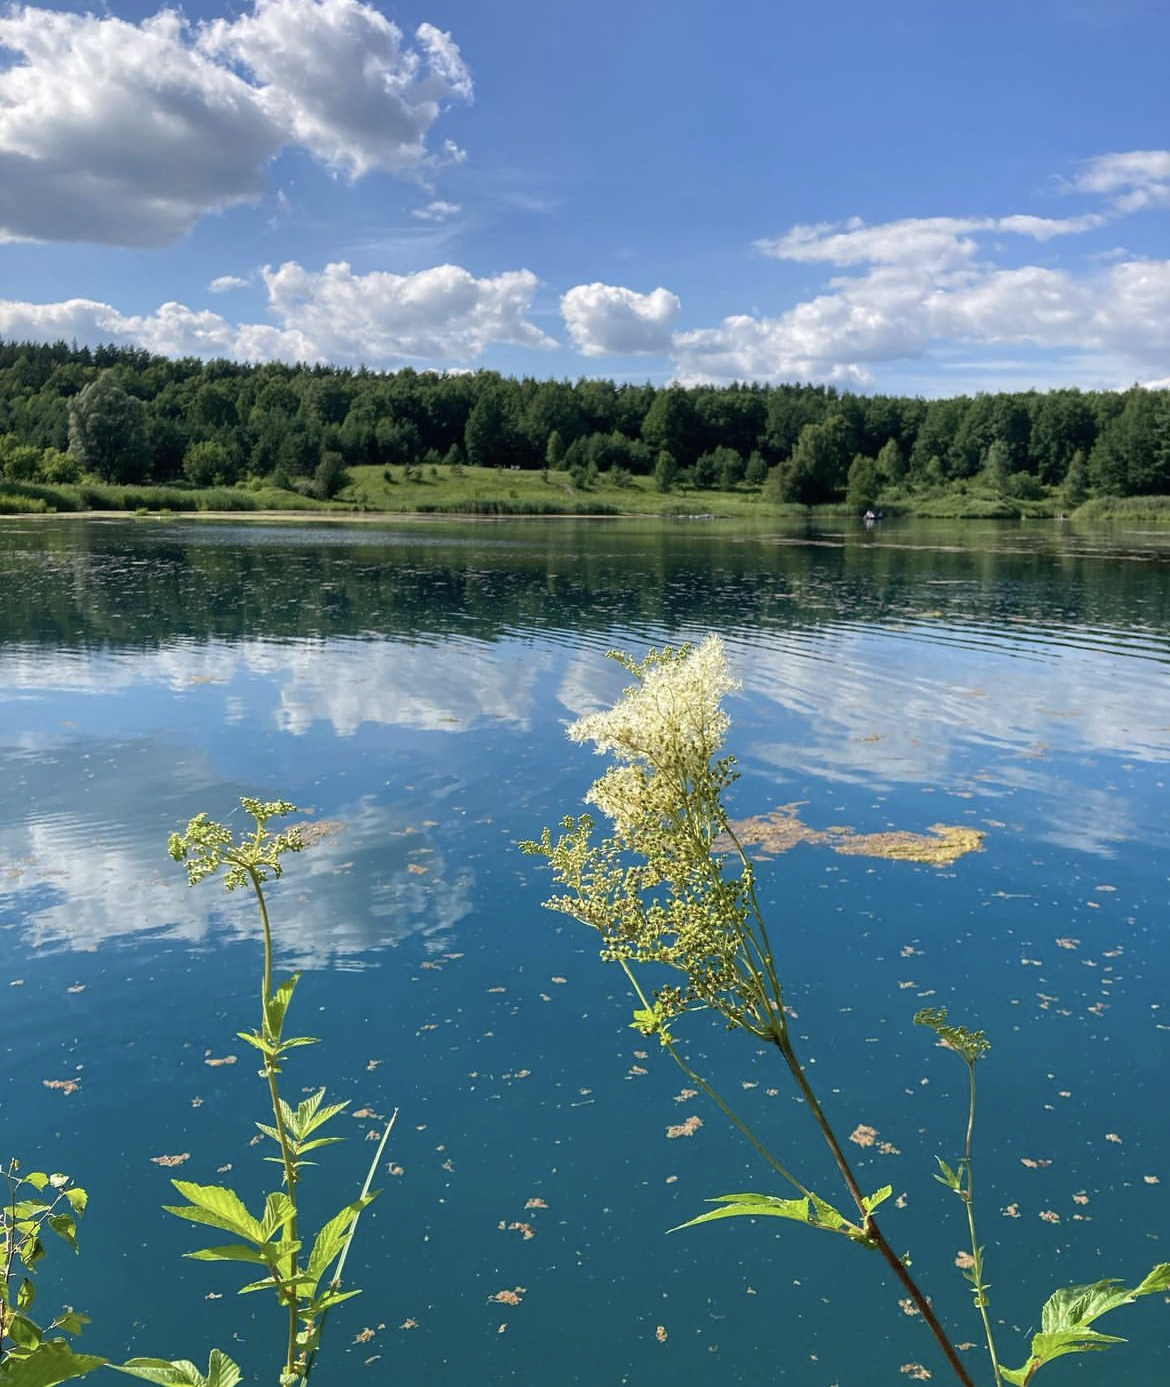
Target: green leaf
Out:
[951,1178]
[50,1363]
[751,1206]
[826,1215]
[331,1239]
[303,1146]
[310,1114]
[279,1211]
[217,1207]
[871,1201]
[276,1005]
[1068,1313]
[70,1321]
[1074,1306]
[232,1252]
[1046,1347]
[78,1200]
[265,1047]
[221,1371]
[26,1295]
[332,1298]
[23,1332]
[1158,1280]
[65,1227]
[36,1178]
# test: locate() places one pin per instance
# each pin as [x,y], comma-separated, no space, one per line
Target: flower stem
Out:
[286,1156]
[869,1222]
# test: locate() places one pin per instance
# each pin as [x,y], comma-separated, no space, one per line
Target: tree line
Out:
[122,414]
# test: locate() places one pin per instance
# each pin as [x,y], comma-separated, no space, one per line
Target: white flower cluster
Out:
[664,733]
[672,714]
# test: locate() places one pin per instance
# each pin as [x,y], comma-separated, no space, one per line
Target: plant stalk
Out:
[869,1222]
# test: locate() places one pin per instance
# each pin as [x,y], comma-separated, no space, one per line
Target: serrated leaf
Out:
[826,1215]
[1046,1347]
[1158,1280]
[26,1294]
[23,1332]
[303,1146]
[36,1178]
[258,1042]
[276,1005]
[232,1252]
[332,1298]
[218,1208]
[330,1240]
[751,1206]
[78,1200]
[279,1211]
[49,1364]
[871,1201]
[179,1373]
[71,1321]
[1075,1306]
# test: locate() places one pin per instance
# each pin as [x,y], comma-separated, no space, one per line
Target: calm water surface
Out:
[411,683]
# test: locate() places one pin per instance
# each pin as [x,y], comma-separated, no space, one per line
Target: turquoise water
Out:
[411,683]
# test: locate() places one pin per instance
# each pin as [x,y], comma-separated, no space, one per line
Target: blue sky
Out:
[924,197]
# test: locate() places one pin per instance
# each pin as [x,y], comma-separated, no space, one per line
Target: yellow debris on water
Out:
[782,829]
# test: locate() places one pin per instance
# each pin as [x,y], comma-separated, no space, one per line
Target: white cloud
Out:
[605,318]
[335,74]
[223,284]
[918,282]
[434,314]
[335,315]
[1136,179]
[436,211]
[126,134]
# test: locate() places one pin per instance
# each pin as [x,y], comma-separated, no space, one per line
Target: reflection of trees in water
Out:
[140,585]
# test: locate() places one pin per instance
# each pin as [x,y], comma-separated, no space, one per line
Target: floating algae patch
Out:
[782,829]
[940,845]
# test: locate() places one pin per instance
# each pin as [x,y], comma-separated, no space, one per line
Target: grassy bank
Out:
[484,491]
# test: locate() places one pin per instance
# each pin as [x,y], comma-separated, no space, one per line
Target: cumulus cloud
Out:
[335,75]
[126,134]
[374,319]
[917,282]
[1136,179]
[604,318]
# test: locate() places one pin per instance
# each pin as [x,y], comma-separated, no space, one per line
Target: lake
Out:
[409,684]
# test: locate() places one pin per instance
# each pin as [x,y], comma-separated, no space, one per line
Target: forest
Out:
[122,415]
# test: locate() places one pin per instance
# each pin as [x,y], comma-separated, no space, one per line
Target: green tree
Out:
[997,467]
[107,431]
[1074,489]
[554,450]
[207,464]
[891,464]
[490,436]
[864,484]
[816,471]
[670,426]
[665,471]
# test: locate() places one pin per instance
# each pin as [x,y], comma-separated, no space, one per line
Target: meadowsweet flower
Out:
[656,889]
[673,716]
